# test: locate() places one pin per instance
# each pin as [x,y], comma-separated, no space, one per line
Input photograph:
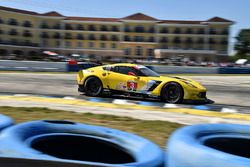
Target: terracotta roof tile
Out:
[92,19]
[219,19]
[180,22]
[18,10]
[139,16]
[52,13]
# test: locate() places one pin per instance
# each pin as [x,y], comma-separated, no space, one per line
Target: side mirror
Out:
[131,73]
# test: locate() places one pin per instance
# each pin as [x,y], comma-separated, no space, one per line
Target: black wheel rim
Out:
[172,93]
[93,87]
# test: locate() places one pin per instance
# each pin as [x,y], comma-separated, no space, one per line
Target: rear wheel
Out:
[93,87]
[172,92]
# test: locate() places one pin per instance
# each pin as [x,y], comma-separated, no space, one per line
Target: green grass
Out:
[157,131]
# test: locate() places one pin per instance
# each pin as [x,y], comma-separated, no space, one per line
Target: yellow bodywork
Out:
[121,82]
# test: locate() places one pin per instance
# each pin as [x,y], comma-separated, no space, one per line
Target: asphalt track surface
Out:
[228,91]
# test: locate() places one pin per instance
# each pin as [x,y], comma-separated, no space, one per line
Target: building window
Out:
[177,31]
[189,41]
[80,27]
[138,50]
[68,27]
[103,38]
[1,21]
[92,28]
[27,24]
[164,40]
[102,45]
[212,41]
[212,31]
[91,37]
[139,29]
[44,42]
[44,25]
[57,35]
[13,22]
[27,33]
[57,26]
[151,30]
[127,29]
[200,41]
[150,52]
[114,28]
[68,36]
[13,32]
[91,44]
[114,38]
[164,30]
[58,44]
[139,39]
[201,31]
[1,31]
[177,40]
[104,28]
[225,31]
[79,44]
[80,37]
[127,51]
[68,44]
[127,38]
[151,39]
[189,31]
[113,45]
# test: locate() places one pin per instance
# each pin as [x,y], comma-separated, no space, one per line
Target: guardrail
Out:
[13,65]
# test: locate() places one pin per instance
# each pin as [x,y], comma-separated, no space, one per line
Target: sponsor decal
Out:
[132,85]
[121,86]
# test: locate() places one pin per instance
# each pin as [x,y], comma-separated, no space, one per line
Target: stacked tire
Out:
[210,145]
[87,145]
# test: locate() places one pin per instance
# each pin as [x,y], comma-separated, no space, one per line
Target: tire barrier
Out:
[234,70]
[65,141]
[210,145]
[5,122]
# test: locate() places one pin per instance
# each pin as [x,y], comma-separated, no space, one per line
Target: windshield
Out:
[147,72]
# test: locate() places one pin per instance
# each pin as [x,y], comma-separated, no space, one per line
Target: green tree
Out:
[242,45]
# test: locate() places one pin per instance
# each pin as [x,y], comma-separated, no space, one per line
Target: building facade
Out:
[137,36]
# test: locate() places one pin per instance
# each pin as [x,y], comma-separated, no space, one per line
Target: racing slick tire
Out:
[5,122]
[172,92]
[70,142]
[210,145]
[93,87]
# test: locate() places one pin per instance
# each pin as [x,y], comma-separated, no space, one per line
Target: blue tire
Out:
[210,145]
[65,141]
[5,122]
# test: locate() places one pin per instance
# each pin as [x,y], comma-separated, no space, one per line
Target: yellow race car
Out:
[138,80]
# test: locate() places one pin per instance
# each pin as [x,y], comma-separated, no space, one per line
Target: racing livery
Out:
[138,80]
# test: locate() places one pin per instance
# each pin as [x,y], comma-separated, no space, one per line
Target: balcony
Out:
[92,28]
[164,30]
[19,43]
[57,36]
[80,37]
[164,40]
[1,31]
[57,27]
[13,22]
[44,26]
[104,28]
[27,34]
[115,29]
[13,32]
[80,27]
[1,21]
[114,38]
[44,35]
[68,36]
[68,27]
[92,37]
[27,24]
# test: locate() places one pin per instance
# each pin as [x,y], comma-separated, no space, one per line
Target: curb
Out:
[127,104]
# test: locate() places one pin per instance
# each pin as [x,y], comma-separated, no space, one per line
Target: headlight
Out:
[189,84]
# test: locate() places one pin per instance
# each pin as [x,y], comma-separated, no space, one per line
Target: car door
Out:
[119,79]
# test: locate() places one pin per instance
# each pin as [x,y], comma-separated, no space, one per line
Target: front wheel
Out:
[93,87]
[172,93]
